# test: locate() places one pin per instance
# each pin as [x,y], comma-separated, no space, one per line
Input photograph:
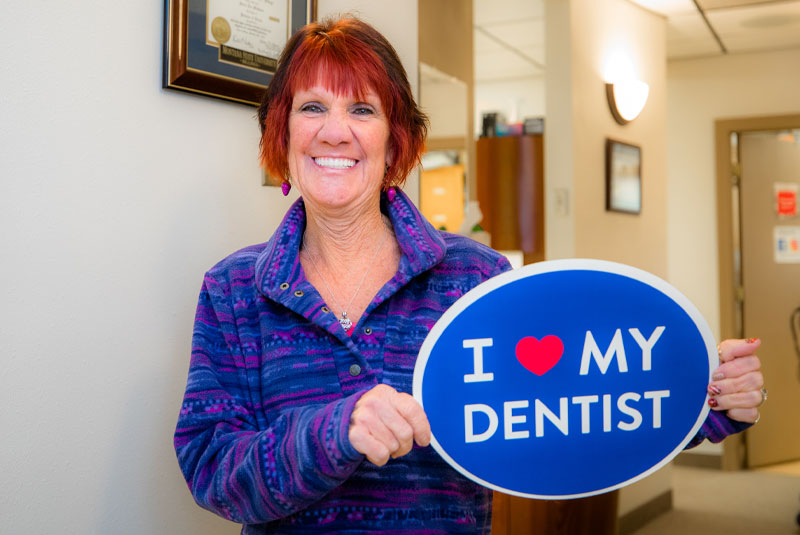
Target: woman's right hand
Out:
[386,423]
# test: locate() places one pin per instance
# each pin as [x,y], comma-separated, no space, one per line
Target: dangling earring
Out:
[285,187]
[390,192]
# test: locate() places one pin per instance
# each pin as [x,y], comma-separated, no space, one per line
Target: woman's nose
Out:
[336,128]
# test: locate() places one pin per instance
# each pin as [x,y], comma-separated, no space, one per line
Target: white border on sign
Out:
[574,264]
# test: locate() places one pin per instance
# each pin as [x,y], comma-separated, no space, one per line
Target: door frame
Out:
[733,449]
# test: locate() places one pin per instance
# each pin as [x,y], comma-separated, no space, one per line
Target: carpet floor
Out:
[750,502]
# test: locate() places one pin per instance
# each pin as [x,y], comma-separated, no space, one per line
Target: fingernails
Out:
[714,390]
[718,376]
[712,402]
[751,340]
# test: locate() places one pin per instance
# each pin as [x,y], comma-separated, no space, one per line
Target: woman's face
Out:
[338,147]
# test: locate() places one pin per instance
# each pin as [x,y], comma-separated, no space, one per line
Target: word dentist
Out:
[538,357]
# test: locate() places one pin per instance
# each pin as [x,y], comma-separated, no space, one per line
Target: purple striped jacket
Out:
[262,433]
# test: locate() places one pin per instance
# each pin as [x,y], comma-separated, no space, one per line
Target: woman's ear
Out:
[389,155]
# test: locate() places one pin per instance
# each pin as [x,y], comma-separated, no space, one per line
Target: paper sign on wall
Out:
[786,198]
[565,379]
[787,244]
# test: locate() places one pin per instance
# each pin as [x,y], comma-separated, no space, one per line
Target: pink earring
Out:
[390,193]
[285,187]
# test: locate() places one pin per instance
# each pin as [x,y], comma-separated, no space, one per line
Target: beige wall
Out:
[636,240]
[115,197]
[578,123]
[559,145]
[700,92]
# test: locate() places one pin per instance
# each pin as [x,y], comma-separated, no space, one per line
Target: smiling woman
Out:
[297,416]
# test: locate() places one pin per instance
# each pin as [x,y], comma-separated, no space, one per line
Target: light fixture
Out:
[627,99]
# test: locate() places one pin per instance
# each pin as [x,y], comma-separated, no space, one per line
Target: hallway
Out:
[755,502]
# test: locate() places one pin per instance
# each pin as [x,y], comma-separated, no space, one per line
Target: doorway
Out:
[759,281]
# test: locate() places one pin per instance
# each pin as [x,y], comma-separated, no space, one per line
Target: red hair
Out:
[347,56]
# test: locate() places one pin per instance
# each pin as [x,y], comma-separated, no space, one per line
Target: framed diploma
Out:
[228,49]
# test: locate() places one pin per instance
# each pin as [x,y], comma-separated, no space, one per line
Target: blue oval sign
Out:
[565,378]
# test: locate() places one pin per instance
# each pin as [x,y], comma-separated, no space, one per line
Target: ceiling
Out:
[509,34]
[508,40]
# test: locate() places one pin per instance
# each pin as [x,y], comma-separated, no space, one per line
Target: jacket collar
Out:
[423,246]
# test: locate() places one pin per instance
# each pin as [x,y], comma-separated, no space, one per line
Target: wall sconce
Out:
[627,99]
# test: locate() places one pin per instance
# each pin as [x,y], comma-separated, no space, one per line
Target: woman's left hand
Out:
[737,385]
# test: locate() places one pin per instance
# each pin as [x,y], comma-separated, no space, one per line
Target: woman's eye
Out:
[363,110]
[312,108]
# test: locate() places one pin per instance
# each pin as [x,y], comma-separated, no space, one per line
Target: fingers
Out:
[415,416]
[748,381]
[737,382]
[401,434]
[739,400]
[385,423]
[744,415]
[363,442]
[737,367]
[735,348]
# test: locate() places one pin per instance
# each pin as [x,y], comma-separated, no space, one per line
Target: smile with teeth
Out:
[335,163]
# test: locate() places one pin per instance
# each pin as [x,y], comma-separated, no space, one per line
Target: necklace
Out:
[344,321]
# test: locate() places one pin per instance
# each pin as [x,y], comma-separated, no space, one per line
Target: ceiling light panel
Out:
[482,43]
[492,11]
[755,28]
[503,65]
[518,34]
[688,36]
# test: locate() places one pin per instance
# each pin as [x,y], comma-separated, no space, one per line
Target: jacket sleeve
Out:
[236,468]
[716,427]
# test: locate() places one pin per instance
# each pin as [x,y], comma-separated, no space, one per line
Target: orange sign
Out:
[786,199]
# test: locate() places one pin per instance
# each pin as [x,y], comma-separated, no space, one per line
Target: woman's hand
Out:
[386,423]
[737,385]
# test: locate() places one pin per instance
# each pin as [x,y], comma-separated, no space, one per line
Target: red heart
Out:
[539,356]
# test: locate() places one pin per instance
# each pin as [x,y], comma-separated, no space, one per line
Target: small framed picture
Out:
[623,177]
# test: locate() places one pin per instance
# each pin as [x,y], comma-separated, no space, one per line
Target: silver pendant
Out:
[345,322]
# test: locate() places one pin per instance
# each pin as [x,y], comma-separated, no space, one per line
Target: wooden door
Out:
[510,176]
[771,291]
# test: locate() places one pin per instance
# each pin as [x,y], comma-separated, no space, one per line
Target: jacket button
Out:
[284,285]
[298,293]
[355,369]
[367,330]
[326,310]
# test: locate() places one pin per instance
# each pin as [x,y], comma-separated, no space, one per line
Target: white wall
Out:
[115,197]
[700,92]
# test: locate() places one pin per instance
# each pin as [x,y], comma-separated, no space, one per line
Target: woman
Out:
[297,417]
